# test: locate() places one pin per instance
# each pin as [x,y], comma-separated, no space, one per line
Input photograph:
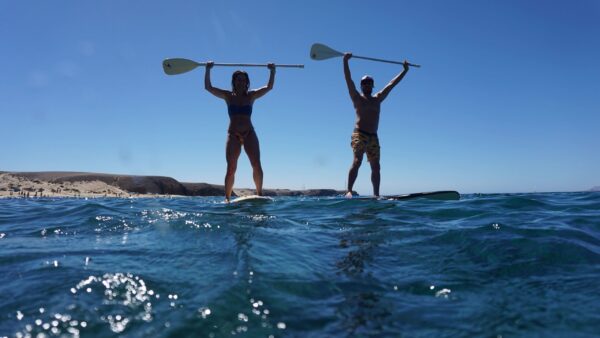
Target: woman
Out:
[241,132]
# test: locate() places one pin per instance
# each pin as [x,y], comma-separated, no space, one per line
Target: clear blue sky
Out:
[507,100]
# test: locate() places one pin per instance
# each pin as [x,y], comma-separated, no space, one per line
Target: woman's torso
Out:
[239,108]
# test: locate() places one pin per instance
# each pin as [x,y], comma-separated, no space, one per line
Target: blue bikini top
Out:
[233,109]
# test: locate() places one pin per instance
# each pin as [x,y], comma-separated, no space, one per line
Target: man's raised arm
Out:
[348,76]
[388,88]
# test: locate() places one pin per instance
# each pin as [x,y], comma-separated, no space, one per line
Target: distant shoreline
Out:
[84,184]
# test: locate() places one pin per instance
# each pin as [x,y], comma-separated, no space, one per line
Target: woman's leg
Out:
[233,149]
[252,149]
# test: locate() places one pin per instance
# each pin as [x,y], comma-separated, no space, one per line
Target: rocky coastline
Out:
[84,184]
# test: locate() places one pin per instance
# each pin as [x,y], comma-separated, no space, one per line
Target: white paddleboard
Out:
[252,199]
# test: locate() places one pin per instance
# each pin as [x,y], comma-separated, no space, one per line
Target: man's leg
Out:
[375,176]
[353,173]
[373,155]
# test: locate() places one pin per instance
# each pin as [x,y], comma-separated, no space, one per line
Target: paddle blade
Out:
[177,66]
[321,52]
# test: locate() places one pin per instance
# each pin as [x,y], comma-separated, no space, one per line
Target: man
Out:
[364,137]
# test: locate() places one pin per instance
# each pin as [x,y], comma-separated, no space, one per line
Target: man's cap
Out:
[366,78]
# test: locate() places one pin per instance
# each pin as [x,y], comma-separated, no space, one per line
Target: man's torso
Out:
[367,113]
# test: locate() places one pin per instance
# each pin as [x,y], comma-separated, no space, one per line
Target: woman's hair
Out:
[235,74]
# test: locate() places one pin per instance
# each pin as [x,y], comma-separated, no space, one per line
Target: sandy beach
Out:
[94,185]
[12,185]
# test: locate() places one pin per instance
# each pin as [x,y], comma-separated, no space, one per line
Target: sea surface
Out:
[509,265]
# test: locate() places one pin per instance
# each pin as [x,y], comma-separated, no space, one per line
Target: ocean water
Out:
[510,265]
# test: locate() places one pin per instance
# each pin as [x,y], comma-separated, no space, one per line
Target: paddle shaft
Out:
[381,60]
[250,65]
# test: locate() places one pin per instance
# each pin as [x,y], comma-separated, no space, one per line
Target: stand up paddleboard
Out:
[252,199]
[433,195]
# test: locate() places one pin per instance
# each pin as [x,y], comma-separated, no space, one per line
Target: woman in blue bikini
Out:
[241,132]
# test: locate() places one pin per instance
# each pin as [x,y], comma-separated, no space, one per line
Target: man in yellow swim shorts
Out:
[364,137]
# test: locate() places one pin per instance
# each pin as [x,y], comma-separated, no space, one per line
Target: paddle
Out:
[178,65]
[319,51]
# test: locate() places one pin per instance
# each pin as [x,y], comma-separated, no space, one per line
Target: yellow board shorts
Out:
[363,142]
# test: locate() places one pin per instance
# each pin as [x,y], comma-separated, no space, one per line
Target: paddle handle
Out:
[386,61]
[250,65]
